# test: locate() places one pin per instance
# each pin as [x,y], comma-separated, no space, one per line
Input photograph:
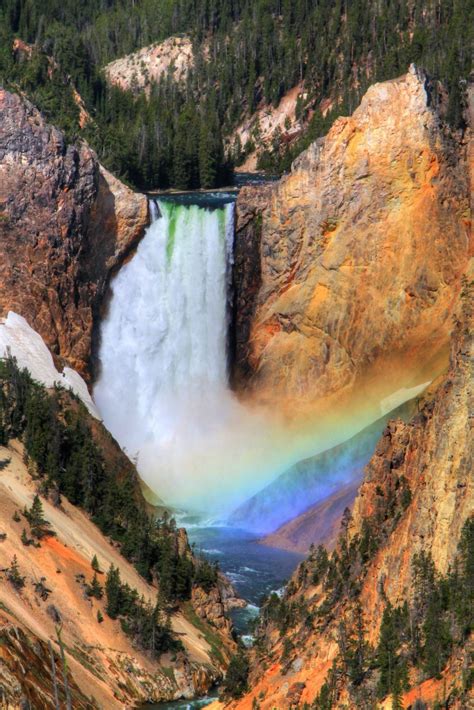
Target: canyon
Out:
[347,277]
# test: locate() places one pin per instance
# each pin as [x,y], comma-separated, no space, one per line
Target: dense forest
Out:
[247,53]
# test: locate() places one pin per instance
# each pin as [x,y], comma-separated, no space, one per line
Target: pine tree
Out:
[95,589]
[35,516]
[113,592]
[236,680]
[387,652]
[95,564]
[13,574]
[397,703]
[358,649]
[437,636]
[207,156]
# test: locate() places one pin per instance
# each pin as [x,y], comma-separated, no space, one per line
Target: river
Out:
[255,571]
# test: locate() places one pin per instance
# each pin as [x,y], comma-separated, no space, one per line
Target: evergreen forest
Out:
[247,53]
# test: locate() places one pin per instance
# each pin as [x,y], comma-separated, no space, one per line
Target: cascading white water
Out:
[163,386]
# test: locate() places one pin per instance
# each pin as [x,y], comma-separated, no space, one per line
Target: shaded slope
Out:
[319,525]
[312,480]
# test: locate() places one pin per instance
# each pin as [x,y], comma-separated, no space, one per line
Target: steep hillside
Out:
[348,269]
[140,617]
[387,618]
[318,525]
[104,661]
[267,76]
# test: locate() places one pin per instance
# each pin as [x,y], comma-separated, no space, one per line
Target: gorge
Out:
[252,355]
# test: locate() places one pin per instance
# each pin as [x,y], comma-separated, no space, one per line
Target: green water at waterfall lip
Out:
[212,200]
[172,207]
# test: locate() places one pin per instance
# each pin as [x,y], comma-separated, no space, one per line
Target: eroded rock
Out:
[65,225]
[347,270]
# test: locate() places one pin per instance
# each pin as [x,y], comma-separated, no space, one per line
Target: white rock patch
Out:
[28,347]
[401,396]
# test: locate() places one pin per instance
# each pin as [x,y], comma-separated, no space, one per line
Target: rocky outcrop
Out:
[350,266]
[209,606]
[229,596]
[417,494]
[136,72]
[212,605]
[65,225]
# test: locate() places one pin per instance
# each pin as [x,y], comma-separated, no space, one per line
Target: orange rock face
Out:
[65,225]
[434,455]
[357,258]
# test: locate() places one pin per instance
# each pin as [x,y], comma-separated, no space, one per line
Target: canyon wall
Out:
[349,267]
[362,285]
[65,225]
[416,497]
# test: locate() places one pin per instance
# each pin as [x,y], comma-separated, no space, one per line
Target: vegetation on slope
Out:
[420,635]
[64,456]
[247,53]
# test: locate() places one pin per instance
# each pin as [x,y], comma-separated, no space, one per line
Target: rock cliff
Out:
[415,500]
[347,270]
[65,225]
[136,72]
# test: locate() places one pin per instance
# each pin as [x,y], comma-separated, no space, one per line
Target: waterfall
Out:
[163,388]
[167,324]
